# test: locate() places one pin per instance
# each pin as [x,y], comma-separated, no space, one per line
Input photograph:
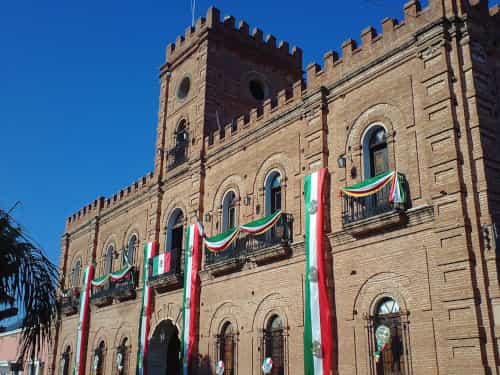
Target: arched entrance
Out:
[164,350]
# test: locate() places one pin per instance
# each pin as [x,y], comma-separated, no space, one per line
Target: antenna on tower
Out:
[193,10]
[218,121]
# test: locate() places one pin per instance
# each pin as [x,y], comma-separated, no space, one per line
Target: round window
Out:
[183,88]
[257,89]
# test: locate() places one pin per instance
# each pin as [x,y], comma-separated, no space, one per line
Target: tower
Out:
[214,73]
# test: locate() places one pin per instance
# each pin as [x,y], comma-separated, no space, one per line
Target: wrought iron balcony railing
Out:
[69,301]
[356,209]
[177,155]
[171,279]
[259,247]
[121,290]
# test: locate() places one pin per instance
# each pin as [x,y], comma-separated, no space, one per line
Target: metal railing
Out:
[114,288]
[355,209]
[246,244]
[175,265]
[177,155]
[69,302]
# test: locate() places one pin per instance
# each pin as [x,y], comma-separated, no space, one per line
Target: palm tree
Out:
[28,281]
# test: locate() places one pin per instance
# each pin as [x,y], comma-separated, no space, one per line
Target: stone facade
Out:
[431,81]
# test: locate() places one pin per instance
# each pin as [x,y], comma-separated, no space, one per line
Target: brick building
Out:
[239,129]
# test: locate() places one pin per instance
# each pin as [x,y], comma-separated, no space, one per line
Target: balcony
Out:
[69,301]
[120,291]
[361,215]
[169,280]
[260,249]
[177,155]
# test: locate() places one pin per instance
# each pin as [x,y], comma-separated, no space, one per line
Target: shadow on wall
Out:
[201,365]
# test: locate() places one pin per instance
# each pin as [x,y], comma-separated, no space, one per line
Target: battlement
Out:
[86,212]
[101,204]
[375,45]
[371,45]
[226,28]
[247,122]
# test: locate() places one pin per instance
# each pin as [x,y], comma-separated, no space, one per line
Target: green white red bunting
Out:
[192,260]
[375,184]
[261,225]
[317,325]
[117,275]
[161,264]
[222,241]
[83,322]
[142,353]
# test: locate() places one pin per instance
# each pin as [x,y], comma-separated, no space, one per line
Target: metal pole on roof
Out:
[193,8]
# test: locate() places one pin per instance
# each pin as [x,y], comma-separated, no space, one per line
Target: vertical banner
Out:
[142,351]
[83,322]
[317,325]
[192,260]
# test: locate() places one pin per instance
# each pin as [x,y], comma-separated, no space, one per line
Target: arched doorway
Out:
[164,350]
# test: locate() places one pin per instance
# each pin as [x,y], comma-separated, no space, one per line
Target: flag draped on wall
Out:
[83,322]
[142,352]
[192,260]
[317,325]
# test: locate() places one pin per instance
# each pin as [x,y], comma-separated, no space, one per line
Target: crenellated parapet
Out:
[372,45]
[102,204]
[240,35]
[393,34]
[248,122]
[85,213]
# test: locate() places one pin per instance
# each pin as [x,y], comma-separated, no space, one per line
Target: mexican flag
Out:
[83,322]
[161,264]
[142,352]
[192,261]
[317,324]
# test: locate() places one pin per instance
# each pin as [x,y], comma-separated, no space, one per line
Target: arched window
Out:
[375,154]
[173,238]
[175,230]
[227,345]
[389,339]
[121,363]
[98,363]
[229,211]
[179,153]
[131,246]
[65,361]
[273,192]
[274,345]
[75,274]
[108,259]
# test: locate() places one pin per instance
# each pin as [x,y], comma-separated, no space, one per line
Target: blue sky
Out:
[79,89]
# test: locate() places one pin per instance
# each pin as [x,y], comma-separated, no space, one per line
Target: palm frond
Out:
[27,279]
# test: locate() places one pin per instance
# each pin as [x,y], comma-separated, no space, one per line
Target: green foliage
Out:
[29,280]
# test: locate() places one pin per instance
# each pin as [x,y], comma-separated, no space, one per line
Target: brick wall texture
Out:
[432,81]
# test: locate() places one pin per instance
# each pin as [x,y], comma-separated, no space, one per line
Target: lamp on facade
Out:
[341,161]
[208,216]
[247,200]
